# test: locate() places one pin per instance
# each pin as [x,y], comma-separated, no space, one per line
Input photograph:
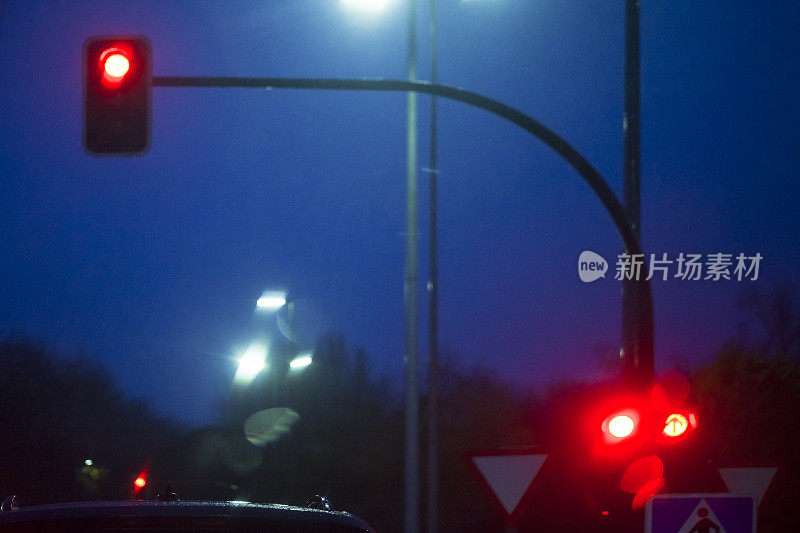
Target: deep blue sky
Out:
[152,264]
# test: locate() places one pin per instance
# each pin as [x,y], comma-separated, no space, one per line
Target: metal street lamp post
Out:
[411,516]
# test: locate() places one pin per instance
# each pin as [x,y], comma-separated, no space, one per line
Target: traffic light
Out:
[139,483]
[643,441]
[117,86]
[641,425]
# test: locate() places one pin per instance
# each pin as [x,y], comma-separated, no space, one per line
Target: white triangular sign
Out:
[509,476]
[703,518]
[749,481]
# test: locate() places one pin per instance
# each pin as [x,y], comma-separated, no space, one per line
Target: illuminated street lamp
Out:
[251,363]
[271,301]
[301,361]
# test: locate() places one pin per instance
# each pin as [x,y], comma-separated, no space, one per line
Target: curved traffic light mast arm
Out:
[564,149]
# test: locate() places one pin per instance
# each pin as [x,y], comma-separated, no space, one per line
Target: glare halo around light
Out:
[373,6]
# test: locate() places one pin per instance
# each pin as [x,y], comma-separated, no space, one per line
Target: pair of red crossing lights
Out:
[117,87]
[659,416]
[625,423]
[636,433]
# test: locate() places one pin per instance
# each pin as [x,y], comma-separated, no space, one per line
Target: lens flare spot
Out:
[649,490]
[640,473]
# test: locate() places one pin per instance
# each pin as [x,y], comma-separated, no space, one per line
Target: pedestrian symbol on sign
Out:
[704,525]
[702,520]
[700,513]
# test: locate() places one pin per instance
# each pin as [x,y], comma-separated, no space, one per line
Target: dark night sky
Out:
[152,264]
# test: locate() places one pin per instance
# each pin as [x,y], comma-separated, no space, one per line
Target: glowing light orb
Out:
[271,301]
[115,65]
[140,482]
[621,426]
[675,425]
[251,364]
[301,361]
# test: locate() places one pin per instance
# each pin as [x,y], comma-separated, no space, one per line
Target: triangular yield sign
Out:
[509,476]
[702,515]
[750,481]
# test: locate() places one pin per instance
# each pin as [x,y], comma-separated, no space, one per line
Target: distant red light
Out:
[140,482]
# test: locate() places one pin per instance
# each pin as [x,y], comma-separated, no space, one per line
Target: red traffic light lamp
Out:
[139,483]
[620,425]
[117,87]
[115,65]
[679,424]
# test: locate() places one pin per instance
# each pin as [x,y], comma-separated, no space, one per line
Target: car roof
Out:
[227,511]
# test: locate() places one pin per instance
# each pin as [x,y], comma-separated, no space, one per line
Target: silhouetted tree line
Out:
[336,429]
[56,413]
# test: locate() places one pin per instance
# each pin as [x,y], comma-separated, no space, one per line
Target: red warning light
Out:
[114,64]
[675,425]
[140,482]
[620,425]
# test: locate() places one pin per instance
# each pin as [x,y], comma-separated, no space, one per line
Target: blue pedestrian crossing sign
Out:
[701,513]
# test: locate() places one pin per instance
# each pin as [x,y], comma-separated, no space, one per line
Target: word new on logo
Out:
[591,266]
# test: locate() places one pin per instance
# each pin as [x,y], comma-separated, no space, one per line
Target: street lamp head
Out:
[251,363]
[301,361]
[271,301]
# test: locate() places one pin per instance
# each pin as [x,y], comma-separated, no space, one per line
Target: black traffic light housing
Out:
[116,108]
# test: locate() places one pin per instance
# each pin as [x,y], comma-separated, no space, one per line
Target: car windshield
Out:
[446,265]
